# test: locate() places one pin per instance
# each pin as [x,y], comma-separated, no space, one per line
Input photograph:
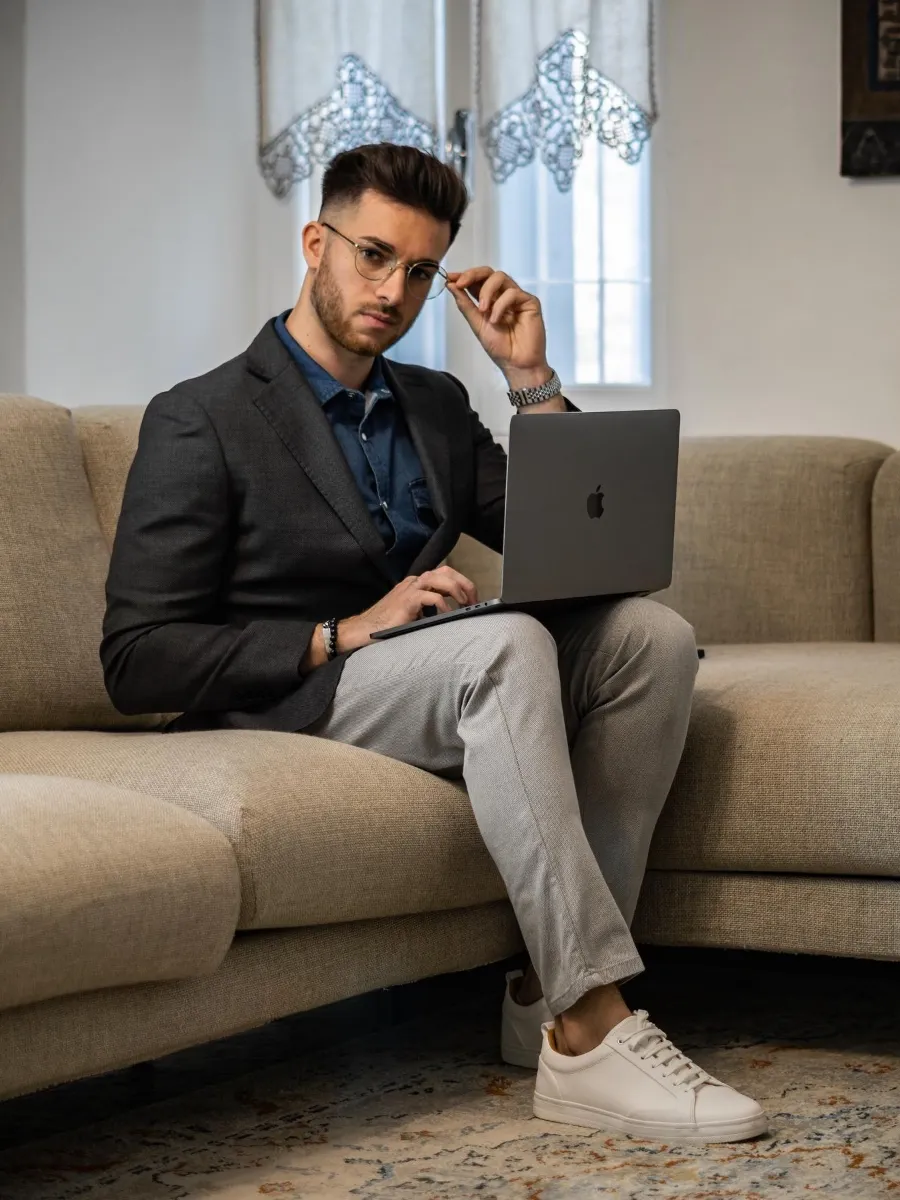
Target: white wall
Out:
[146,216]
[780,306]
[154,250]
[12,266]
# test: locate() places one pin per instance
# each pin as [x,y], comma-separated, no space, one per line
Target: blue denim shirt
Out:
[380,451]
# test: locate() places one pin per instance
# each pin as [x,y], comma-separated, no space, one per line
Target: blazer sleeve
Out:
[161,650]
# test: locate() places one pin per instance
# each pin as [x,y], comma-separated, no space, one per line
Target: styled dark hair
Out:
[401,173]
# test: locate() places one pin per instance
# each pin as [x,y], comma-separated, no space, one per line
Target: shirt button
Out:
[363,436]
[384,504]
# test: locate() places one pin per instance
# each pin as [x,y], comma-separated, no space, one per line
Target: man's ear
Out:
[313,241]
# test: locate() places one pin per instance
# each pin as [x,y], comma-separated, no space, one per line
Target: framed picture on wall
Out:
[870,87]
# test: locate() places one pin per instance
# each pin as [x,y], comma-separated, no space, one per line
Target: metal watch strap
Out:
[519,397]
[329,633]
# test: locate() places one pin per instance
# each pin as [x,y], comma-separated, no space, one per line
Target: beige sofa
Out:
[157,891]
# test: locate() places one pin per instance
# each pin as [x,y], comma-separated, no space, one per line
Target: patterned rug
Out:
[427,1110]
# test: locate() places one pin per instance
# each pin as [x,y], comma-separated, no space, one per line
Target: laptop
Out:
[590,512]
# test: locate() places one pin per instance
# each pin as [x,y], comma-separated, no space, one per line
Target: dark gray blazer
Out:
[242,527]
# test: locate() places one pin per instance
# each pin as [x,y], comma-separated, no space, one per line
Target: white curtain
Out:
[334,74]
[555,72]
[549,73]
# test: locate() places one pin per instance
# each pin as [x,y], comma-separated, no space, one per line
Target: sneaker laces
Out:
[660,1053]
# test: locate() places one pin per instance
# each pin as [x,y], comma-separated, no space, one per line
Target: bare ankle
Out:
[527,988]
[585,1024]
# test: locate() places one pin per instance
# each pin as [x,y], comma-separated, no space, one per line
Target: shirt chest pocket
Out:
[421,505]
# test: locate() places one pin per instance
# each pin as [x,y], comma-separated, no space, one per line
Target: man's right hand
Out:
[402,604]
[405,602]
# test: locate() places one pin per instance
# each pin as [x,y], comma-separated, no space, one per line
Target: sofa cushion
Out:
[100,886]
[322,832]
[886,550]
[772,538]
[792,763]
[53,566]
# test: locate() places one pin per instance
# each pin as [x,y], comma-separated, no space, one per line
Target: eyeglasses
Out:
[425,280]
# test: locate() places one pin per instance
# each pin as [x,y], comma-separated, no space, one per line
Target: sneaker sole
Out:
[570,1113]
[519,1056]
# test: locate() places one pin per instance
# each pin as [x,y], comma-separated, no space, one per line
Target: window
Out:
[585,253]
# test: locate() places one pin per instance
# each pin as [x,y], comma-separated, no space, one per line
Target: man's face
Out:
[344,301]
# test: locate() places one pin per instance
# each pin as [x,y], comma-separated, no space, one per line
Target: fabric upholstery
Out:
[742,571]
[792,763]
[53,564]
[787,914]
[772,538]
[322,832]
[109,438]
[886,550]
[100,886]
[264,976]
[479,563]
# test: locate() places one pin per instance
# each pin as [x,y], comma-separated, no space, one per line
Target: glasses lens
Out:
[426,280]
[373,263]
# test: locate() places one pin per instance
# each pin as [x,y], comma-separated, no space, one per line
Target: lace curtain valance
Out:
[548,75]
[334,74]
[555,72]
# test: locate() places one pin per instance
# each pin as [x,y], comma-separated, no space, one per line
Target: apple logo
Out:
[595,503]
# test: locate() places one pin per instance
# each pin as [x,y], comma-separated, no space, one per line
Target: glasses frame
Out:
[393,263]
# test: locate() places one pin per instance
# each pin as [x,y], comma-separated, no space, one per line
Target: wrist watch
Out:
[519,397]
[329,634]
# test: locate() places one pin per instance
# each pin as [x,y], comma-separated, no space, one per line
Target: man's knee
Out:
[669,636]
[515,638]
[517,630]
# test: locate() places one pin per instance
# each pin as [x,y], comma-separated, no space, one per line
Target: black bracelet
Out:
[329,631]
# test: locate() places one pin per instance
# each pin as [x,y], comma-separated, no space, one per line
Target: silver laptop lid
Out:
[590,504]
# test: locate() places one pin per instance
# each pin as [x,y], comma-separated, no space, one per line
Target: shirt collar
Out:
[322,382]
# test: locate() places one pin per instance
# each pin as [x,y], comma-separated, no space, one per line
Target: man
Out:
[286,505]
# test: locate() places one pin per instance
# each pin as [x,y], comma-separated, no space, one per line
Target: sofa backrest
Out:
[109,439]
[53,565]
[773,538]
[886,550]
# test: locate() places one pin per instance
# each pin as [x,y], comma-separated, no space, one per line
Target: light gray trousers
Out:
[567,733]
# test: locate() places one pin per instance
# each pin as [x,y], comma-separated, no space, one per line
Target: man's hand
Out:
[403,603]
[507,322]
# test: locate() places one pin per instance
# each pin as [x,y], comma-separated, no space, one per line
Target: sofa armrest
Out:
[886,550]
[101,886]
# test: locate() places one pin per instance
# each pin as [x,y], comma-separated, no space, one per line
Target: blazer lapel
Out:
[291,407]
[293,410]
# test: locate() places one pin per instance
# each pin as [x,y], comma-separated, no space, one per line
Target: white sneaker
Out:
[637,1082]
[520,1032]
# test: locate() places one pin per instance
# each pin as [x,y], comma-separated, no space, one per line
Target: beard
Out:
[325,298]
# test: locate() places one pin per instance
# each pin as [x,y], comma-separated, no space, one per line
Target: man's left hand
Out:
[507,322]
